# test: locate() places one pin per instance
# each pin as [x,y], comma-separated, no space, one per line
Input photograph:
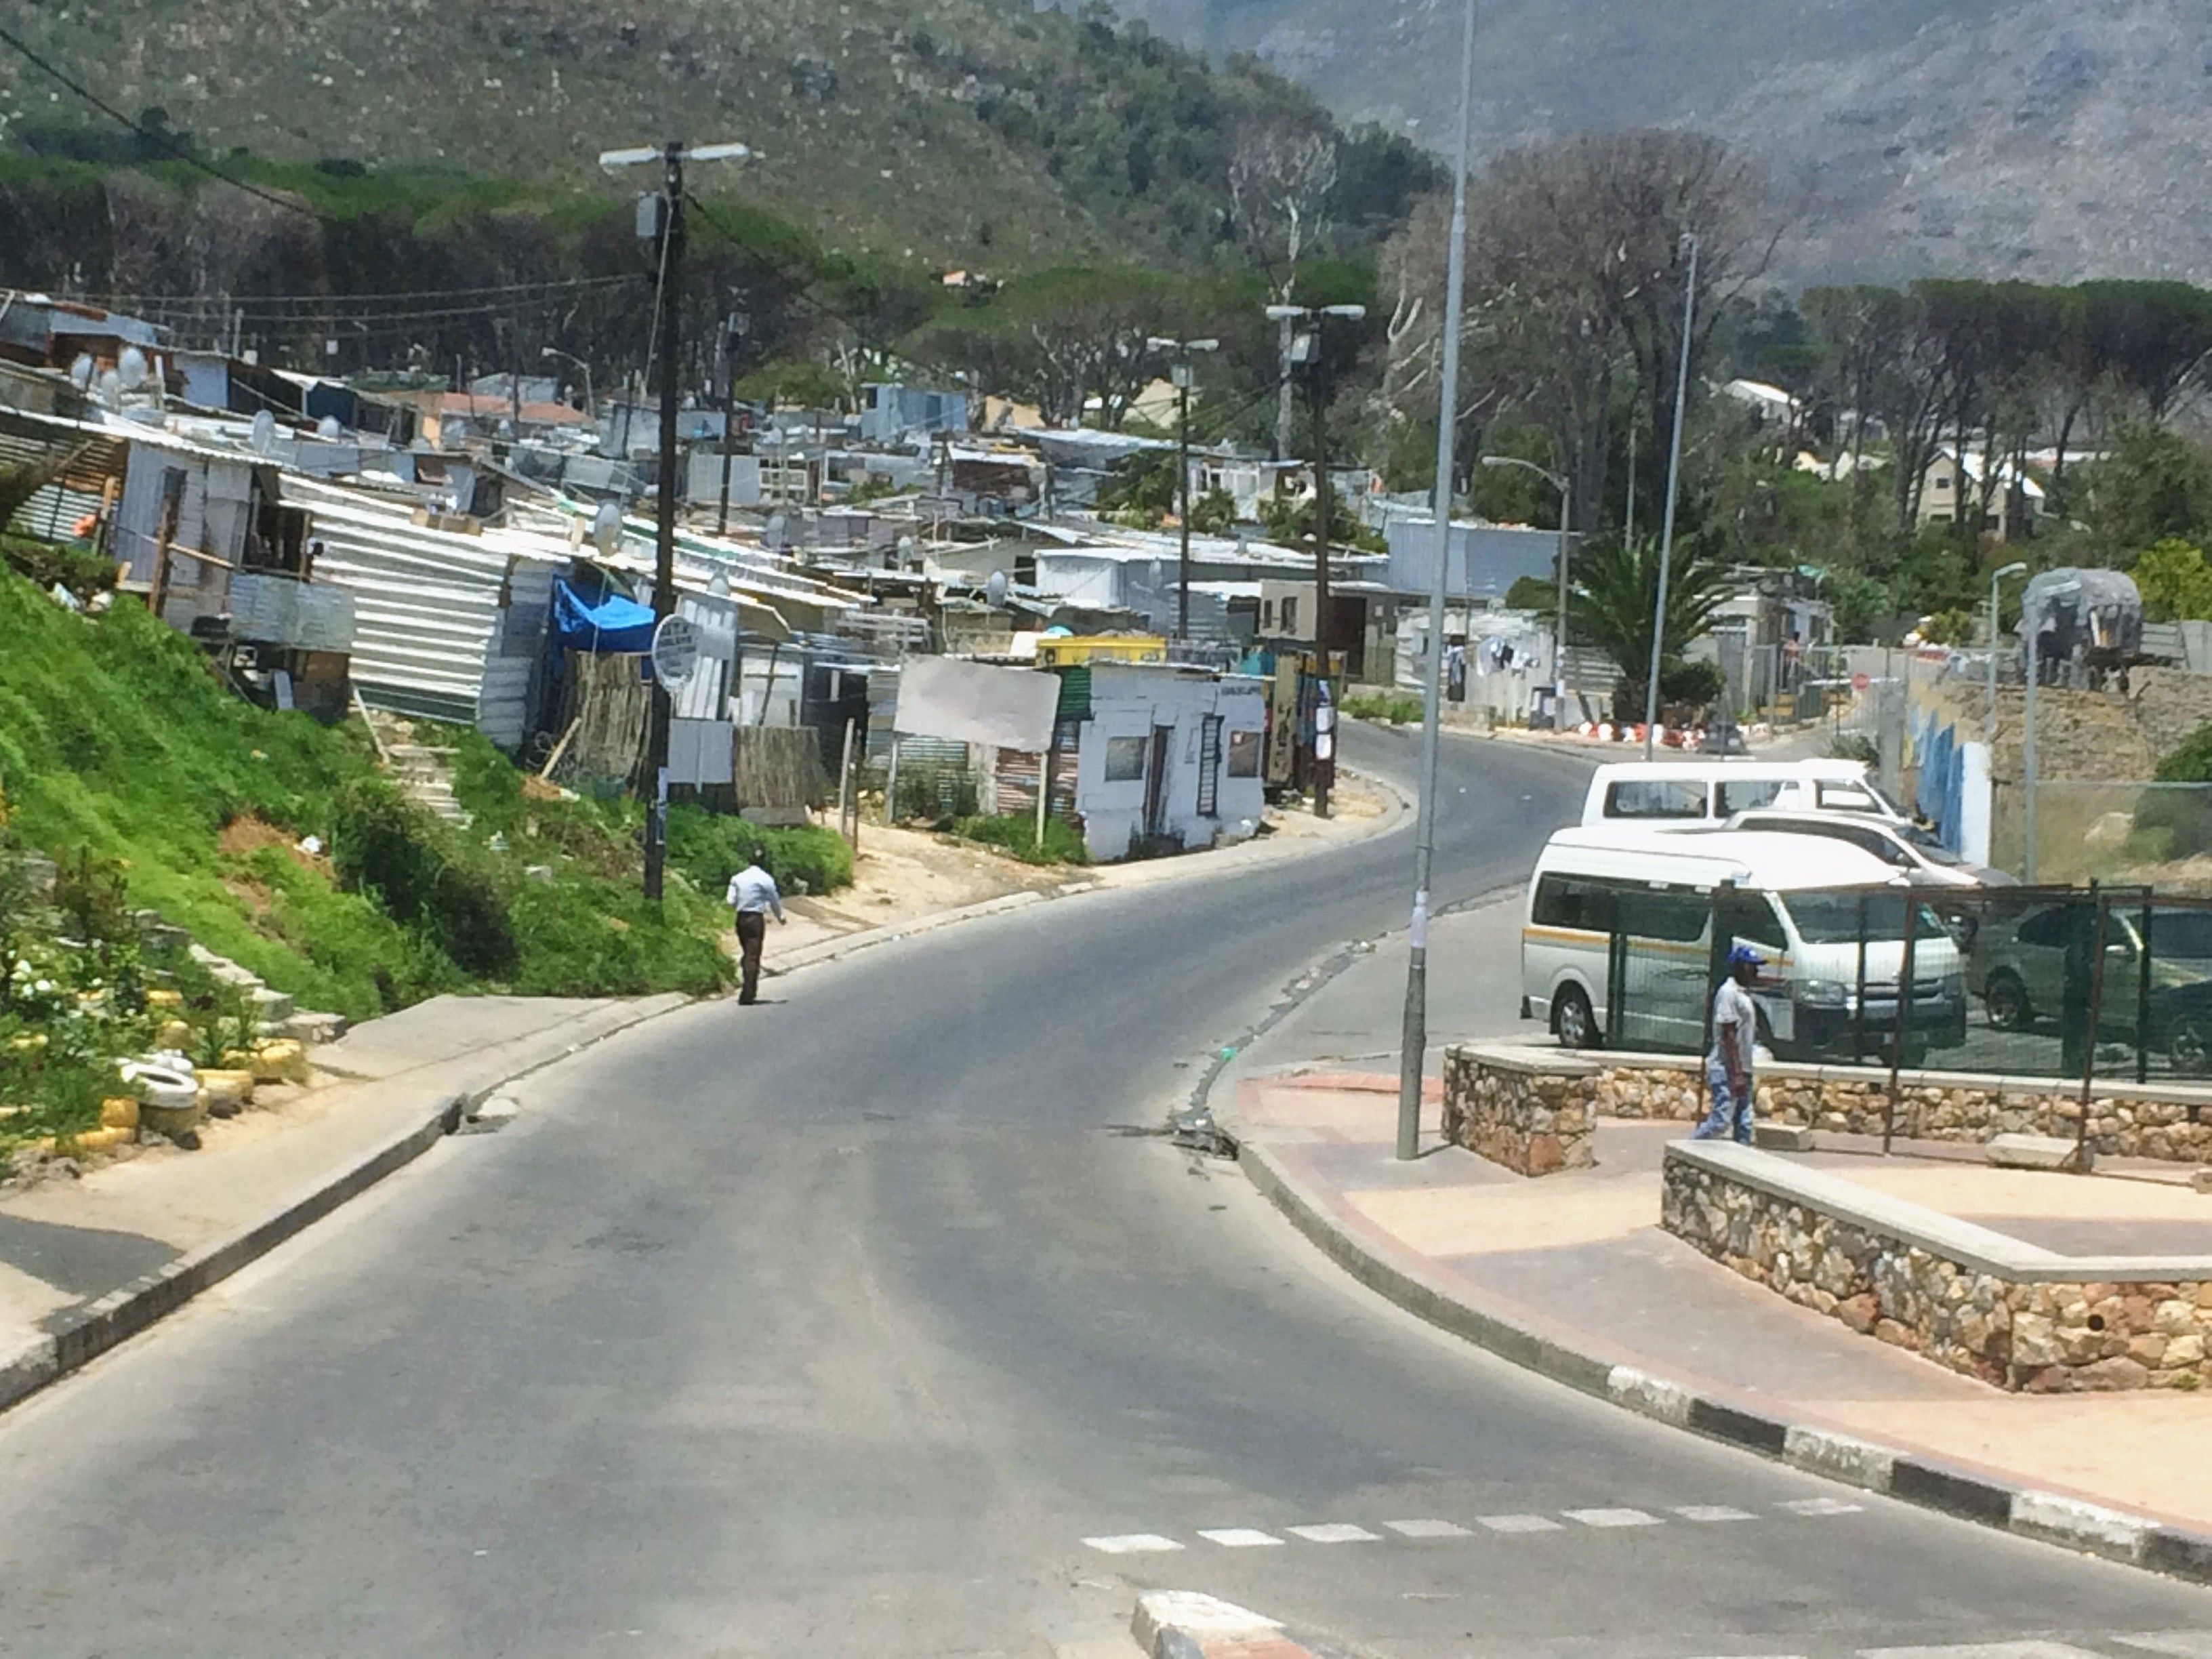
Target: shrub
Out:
[423,874]
[1395,707]
[710,847]
[1017,836]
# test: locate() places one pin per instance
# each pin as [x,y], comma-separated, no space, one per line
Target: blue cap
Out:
[1744,957]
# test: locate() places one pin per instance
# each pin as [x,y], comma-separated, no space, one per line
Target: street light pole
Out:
[670,157]
[1673,490]
[1413,1040]
[591,404]
[1990,720]
[1181,372]
[2029,629]
[1565,485]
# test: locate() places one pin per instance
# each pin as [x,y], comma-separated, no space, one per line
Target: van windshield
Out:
[1833,918]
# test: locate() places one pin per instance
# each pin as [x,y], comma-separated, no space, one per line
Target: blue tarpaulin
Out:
[600,621]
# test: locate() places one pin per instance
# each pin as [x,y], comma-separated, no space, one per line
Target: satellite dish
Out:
[772,535]
[328,429]
[263,432]
[82,371]
[111,386]
[131,369]
[718,585]
[606,527]
[995,589]
[675,652]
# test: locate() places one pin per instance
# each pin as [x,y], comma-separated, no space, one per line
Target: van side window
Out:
[1750,917]
[1678,914]
[1573,901]
[1656,798]
[1741,795]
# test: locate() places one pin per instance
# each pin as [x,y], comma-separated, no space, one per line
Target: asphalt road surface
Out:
[837,1325]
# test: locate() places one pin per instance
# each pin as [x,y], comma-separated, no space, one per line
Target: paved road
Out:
[837,1327]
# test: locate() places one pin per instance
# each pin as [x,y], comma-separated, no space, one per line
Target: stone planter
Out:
[223,1093]
[121,1112]
[170,1120]
[280,1060]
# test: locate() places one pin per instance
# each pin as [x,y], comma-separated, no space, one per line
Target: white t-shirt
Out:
[1732,1005]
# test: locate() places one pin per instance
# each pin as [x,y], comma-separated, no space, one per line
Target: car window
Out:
[1677,915]
[1574,901]
[1743,795]
[1656,798]
[1834,918]
[2046,927]
[1751,918]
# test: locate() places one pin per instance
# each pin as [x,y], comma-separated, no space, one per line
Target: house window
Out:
[1244,753]
[1943,484]
[1267,613]
[1125,759]
[1290,615]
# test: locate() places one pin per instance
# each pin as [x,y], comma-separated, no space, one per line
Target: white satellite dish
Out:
[82,370]
[995,590]
[263,432]
[131,369]
[328,429]
[772,533]
[606,527]
[111,386]
[675,652]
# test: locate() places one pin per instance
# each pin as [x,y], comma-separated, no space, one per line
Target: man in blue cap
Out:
[1728,1068]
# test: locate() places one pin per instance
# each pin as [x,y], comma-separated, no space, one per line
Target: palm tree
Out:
[1610,607]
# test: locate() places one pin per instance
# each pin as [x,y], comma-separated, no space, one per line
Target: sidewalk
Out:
[1571,1274]
[85,1262]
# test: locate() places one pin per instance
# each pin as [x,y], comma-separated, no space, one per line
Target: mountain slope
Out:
[2051,139]
[972,130]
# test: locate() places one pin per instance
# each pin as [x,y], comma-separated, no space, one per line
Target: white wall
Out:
[1128,701]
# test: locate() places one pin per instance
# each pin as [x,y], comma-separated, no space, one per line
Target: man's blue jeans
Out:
[1729,1116]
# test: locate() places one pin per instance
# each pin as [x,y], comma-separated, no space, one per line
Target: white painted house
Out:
[1169,755]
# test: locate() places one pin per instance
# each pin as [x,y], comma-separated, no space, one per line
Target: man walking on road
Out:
[1728,1068]
[752,895]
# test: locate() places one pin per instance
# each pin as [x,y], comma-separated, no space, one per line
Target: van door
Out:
[1662,954]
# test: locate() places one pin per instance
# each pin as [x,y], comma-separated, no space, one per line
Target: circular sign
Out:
[675,652]
[1860,682]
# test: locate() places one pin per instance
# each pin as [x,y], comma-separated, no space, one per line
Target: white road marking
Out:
[1713,1512]
[1239,1538]
[1336,1532]
[1612,1518]
[1984,1650]
[1428,1528]
[1823,1506]
[2182,1643]
[1517,1523]
[1133,1543]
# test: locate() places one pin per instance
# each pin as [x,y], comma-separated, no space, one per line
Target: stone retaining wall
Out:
[2015,1331]
[2126,1121]
[1533,1117]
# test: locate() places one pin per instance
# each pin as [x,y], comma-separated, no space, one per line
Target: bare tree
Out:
[1279,182]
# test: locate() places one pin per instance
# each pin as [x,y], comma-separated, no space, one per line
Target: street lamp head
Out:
[1201,345]
[1286,313]
[1350,314]
[2017,566]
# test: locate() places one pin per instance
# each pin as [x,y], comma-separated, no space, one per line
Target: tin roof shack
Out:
[1168,759]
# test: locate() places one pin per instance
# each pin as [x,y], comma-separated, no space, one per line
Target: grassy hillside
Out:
[116,738]
[971,131]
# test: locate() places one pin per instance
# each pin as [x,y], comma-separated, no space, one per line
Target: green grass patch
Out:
[1016,837]
[1394,706]
[709,848]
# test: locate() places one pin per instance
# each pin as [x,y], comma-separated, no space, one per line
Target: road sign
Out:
[675,652]
[1860,682]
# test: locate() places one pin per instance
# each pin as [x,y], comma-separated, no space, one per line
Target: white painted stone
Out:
[2035,1152]
[1202,1617]
[1859,1462]
[1653,1396]
[2071,1521]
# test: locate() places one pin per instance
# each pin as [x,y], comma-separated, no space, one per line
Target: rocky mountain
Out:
[2046,139]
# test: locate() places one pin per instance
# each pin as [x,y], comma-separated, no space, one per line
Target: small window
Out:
[1290,615]
[1745,796]
[1244,753]
[1943,484]
[1267,613]
[1125,759]
[1676,914]
[1575,903]
[1656,798]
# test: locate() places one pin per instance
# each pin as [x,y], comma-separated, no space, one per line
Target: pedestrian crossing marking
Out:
[1820,1506]
[1336,1532]
[1517,1523]
[1240,1538]
[1133,1543]
[1604,1519]
[1712,1512]
[1984,1650]
[1428,1528]
[2178,1643]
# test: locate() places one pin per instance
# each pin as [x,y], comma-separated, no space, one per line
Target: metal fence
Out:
[2066,984]
[2134,834]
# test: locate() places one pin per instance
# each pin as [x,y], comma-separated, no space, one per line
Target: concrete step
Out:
[313,1028]
[271,1007]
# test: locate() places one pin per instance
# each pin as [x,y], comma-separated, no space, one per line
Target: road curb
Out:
[1909,1476]
[1186,1625]
[82,1335]
[1399,809]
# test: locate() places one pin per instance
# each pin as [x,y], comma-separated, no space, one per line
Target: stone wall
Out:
[1533,1113]
[2125,1121]
[2098,735]
[2018,1333]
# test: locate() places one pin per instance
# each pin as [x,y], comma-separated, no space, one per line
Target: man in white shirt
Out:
[752,895]
[1728,1068]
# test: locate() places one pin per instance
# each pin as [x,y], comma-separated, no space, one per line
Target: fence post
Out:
[1858,998]
[890,787]
[2104,905]
[1904,988]
[2142,991]
[1616,982]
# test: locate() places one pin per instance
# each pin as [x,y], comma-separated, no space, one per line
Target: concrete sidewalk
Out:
[1572,1275]
[85,1262]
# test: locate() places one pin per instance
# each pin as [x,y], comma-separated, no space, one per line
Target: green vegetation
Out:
[1016,837]
[709,849]
[118,745]
[1395,707]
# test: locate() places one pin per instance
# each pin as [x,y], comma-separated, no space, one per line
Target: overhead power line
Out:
[183,153]
[315,304]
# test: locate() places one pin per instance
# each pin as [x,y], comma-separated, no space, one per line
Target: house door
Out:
[1156,780]
[1209,767]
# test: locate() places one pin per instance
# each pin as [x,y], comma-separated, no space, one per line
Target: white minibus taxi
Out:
[1617,947]
[1688,792]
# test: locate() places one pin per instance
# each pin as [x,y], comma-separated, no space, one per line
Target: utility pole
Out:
[1674,490]
[1413,1040]
[1306,347]
[1990,720]
[1180,373]
[667,222]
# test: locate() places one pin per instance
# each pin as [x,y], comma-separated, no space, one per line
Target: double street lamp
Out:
[1182,375]
[1566,487]
[1305,326]
[590,405]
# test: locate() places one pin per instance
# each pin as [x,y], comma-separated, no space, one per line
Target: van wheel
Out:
[1572,1021]
[2006,999]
